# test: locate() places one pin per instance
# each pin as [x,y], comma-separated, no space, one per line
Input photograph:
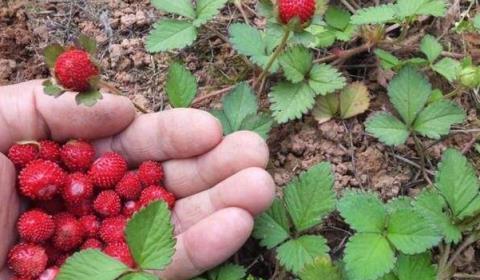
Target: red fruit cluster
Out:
[302,9]
[78,203]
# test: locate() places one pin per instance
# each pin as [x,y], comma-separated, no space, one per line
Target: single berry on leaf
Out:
[90,225]
[112,229]
[74,70]
[301,9]
[92,243]
[35,226]
[108,204]
[49,150]
[41,180]
[155,193]
[22,154]
[108,170]
[69,233]
[77,155]
[150,173]
[129,187]
[77,187]
[27,260]
[121,252]
[49,273]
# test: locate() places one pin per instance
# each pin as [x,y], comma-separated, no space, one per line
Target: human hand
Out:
[220,182]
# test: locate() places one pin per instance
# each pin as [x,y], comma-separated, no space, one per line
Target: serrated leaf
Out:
[354,100]
[296,63]
[387,60]
[437,95]
[290,101]
[296,253]
[409,92]
[91,264]
[325,39]
[457,181]
[51,53]
[51,89]
[416,267]
[346,34]
[171,34]
[88,98]
[321,268]
[207,9]
[448,67]
[139,276]
[181,86]
[310,197]
[399,203]
[326,107]
[374,15]
[411,233]
[87,43]
[363,211]
[260,123]
[325,79]
[265,8]
[408,8]
[337,18]
[387,128]
[178,7]
[220,115]
[238,104]
[436,8]
[436,120]
[272,227]
[368,256]
[227,272]
[150,237]
[431,47]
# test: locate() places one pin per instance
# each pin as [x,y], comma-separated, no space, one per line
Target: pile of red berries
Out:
[76,202]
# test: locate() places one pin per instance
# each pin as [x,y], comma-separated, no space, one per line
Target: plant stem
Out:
[474,237]
[442,269]
[421,153]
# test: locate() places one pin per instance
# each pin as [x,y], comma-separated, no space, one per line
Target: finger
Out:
[236,152]
[251,189]
[178,133]
[209,243]
[9,207]
[27,113]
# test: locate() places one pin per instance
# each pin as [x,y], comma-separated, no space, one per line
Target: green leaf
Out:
[368,256]
[437,95]
[296,253]
[408,8]
[409,92]
[354,100]
[238,104]
[150,237]
[321,268]
[51,53]
[457,181]
[399,203]
[88,98]
[227,272]
[363,211]
[337,18]
[178,7]
[476,21]
[181,86]
[220,115]
[139,276]
[448,67]
[436,120]
[431,47]
[91,264]
[310,197]
[88,44]
[387,128]
[411,233]
[325,79]
[296,63]
[436,8]
[326,107]
[290,101]
[51,89]
[374,15]
[171,34]
[206,10]
[272,227]
[261,124]
[416,267]
[387,60]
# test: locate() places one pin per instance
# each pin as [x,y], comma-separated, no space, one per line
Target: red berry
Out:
[129,187]
[155,193]
[121,252]
[77,187]
[49,150]
[303,9]
[49,273]
[77,155]
[107,204]
[112,229]
[35,226]
[91,225]
[92,243]
[74,70]
[83,208]
[69,233]
[129,208]
[27,260]
[22,154]
[108,170]
[150,173]
[41,180]
[16,277]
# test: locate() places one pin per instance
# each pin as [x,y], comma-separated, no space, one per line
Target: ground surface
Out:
[120,27]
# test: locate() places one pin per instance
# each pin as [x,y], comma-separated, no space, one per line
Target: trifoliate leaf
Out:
[431,47]
[296,63]
[448,67]
[88,98]
[91,264]
[296,253]
[171,34]
[326,107]
[368,256]
[227,272]
[272,227]
[354,100]
[206,10]
[178,7]
[51,53]
[374,15]
[238,104]
[457,181]
[261,124]
[411,233]
[415,267]
[325,79]
[387,60]
[337,18]
[387,129]
[363,211]
[181,86]
[310,197]
[290,101]
[150,237]
[139,276]
[436,120]
[409,92]
[321,268]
